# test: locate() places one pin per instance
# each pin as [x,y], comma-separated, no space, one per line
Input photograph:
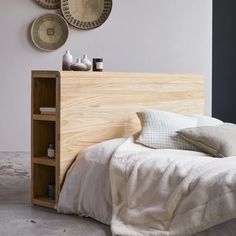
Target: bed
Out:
[103,176]
[98,166]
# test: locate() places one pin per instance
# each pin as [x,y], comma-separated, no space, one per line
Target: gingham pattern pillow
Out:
[159,130]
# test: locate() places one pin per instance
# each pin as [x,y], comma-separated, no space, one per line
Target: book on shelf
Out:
[47,110]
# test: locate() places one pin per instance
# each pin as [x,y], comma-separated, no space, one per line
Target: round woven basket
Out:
[49,4]
[49,32]
[87,14]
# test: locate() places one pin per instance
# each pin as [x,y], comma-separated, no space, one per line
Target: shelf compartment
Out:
[43,135]
[44,117]
[44,201]
[43,176]
[44,161]
[44,93]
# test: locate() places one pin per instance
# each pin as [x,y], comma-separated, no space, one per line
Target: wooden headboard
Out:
[99,106]
[95,106]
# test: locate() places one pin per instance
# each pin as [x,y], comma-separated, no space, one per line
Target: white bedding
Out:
[154,192]
[87,190]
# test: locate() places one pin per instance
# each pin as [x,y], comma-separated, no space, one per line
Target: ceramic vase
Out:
[79,66]
[67,61]
[87,62]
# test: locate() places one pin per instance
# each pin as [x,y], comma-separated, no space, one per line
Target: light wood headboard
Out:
[99,106]
[94,106]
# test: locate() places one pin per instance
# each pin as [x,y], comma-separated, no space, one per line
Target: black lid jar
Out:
[97,64]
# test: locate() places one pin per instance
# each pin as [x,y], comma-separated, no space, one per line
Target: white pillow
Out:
[159,129]
[207,121]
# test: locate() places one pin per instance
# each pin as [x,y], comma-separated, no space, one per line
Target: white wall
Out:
[171,36]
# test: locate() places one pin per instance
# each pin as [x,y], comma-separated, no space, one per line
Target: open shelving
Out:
[43,176]
[44,132]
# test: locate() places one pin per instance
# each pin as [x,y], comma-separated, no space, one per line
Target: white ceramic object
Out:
[51,151]
[79,66]
[67,61]
[87,62]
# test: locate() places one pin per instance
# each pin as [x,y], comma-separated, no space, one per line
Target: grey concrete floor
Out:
[18,217]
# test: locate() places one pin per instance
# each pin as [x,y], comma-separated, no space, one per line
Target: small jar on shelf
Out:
[51,192]
[51,151]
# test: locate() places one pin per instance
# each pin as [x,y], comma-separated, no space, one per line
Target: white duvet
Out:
[141,191]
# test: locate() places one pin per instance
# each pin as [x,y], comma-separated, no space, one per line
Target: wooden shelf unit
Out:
[44,132]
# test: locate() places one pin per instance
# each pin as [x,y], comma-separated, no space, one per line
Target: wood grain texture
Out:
[44,161]
[44,117]
[45,202]
[95,107]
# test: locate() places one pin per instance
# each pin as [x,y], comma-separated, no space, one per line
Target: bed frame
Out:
[95,106]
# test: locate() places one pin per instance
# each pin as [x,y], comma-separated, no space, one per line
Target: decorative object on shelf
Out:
[87,62]
[49,32]
[97,64]
[87,14]
[51,192]
[47,110]
[51,151]
[67,61]
[79,66]
[49,4]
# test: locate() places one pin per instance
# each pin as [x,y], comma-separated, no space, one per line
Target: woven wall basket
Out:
[49,4]
[49,32]
[87,14]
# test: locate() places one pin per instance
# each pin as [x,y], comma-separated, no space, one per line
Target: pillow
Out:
[207,121]
[159,129]
[218,141]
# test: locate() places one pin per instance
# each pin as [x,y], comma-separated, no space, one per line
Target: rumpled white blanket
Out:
[164,192]
[170,194]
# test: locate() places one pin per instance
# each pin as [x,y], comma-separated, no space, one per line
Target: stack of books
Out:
[47,110]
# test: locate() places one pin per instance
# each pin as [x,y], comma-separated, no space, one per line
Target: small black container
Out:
[51,192]
[98,64]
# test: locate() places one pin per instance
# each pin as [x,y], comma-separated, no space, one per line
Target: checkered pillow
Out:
[159,130]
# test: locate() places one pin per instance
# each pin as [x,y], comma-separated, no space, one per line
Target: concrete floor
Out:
[18,217]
